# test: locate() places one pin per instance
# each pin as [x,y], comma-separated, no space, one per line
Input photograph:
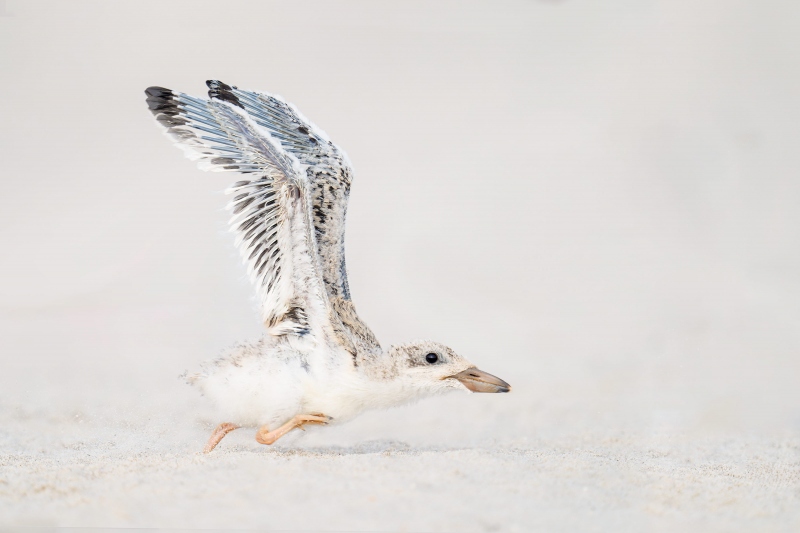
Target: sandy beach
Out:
[596,202]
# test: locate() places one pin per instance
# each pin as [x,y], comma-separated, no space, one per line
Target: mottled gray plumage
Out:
[330,174]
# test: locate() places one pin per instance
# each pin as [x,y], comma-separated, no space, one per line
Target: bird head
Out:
[436,368]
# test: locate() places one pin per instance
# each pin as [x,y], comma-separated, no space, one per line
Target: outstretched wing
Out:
[271,205]
[329,174]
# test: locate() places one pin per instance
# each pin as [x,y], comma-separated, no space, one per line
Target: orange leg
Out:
[219,433]
[265,436]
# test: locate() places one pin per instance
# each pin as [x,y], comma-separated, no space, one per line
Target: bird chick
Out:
[319,362]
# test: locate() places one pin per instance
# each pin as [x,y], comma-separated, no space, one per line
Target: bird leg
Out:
[265,436]
[219,433]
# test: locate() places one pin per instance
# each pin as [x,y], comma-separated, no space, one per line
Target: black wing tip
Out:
[158,92]
[216,84]
[160,100]
[222,91]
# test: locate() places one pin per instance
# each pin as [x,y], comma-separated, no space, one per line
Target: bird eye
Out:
[431,358]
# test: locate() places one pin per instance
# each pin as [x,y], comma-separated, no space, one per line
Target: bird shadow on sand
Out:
[385,447]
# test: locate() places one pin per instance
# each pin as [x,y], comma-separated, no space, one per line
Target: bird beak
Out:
[480,381]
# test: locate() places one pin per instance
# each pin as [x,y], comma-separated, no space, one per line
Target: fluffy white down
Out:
[270,381]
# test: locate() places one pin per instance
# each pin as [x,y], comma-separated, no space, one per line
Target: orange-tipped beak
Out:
[480,381]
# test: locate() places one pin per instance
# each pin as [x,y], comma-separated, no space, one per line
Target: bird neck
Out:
[376,365]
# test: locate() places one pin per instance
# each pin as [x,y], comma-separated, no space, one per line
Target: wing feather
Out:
[271,213]
[329,175]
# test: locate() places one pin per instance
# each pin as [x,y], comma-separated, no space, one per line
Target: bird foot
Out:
[317,418]
[218,434]
[312,418]
[265,436]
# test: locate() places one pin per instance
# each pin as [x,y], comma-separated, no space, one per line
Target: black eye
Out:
[431,358]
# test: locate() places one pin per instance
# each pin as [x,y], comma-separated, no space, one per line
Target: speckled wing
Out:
[329,174]
[271,204]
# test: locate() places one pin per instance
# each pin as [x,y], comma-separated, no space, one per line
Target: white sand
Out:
[603,201]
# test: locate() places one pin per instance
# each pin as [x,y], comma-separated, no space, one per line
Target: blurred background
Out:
[596,201]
